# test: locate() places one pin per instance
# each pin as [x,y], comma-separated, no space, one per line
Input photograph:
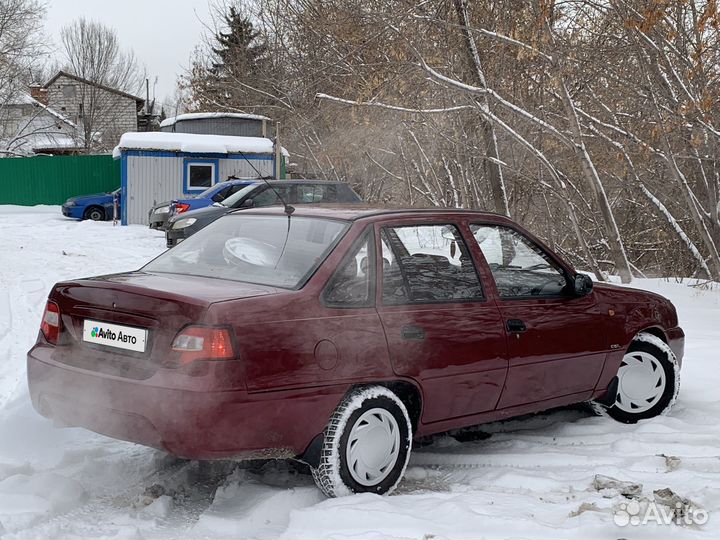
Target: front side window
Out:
[234,200]
[268,250]
[271,196]
[200,175]
[520,268]
[427,264]
[352,283]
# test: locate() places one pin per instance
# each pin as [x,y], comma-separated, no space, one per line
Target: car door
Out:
[441,328]
[556,343]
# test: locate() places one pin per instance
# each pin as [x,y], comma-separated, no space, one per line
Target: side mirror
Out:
[247,203]
[583,285]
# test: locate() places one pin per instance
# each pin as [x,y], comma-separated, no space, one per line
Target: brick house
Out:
[29,127]
[103,112]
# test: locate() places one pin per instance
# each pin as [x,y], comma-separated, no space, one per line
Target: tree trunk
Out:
[617,250]
[493,169]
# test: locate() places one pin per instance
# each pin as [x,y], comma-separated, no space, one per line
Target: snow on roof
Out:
[52,141]
[194,143]
[200,116]
[24,98]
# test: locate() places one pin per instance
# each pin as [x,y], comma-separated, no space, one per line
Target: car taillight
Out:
[203,343]
[50,325]
[181,207]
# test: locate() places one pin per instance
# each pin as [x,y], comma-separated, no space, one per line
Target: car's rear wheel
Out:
[95,213]
[648,381]
[366,444]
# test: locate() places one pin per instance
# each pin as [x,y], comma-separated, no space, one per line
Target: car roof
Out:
[354,212]
[298,181]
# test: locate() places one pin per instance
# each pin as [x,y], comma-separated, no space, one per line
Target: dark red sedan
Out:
[336,335]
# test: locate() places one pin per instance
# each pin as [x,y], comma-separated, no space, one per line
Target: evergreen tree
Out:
[231,71]
[239,52]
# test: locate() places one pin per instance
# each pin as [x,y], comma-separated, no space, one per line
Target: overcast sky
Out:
[162,33]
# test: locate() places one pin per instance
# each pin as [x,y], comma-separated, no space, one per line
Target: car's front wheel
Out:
[95,213]
[366,444]
[648,381]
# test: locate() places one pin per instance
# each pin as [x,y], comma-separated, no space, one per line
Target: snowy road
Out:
[527,478]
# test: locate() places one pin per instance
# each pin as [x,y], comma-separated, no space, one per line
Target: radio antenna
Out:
[289,209]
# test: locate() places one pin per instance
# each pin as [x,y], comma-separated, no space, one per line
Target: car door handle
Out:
[412,332]
[515,325]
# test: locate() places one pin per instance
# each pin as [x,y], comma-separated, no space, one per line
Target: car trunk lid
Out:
[161,304]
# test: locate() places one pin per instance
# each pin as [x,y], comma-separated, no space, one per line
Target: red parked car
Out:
[336,335]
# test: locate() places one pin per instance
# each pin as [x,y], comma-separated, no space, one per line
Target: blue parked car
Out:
[160,214]
[98,207]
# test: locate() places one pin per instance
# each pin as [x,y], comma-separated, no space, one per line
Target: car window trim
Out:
[365,235]
[558,264]
[439,221]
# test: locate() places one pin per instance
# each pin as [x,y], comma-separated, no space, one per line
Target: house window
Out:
[199,175]
[69,91]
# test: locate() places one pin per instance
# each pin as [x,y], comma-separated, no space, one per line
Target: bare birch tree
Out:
[21,49]
[92,51]
[596,123]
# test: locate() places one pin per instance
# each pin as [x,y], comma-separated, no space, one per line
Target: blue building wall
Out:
[149,177]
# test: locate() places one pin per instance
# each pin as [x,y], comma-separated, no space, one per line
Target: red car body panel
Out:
[458,376]
[297,357]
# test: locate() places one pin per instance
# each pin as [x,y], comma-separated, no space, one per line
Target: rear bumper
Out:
[159,221]
[188,423]
[676,341]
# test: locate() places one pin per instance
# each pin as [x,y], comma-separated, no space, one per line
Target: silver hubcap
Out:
[373,447]
[641,382]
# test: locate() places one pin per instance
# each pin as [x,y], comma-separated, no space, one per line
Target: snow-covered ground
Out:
[524,478]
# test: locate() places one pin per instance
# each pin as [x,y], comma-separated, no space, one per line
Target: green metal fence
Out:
[52,179]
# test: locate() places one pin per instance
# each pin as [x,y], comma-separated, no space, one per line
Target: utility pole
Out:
[278,153]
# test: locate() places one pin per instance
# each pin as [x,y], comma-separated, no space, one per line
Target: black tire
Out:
[333,475]
[648,344]
[95,213]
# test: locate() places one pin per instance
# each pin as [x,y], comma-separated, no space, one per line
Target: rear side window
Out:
[353,283]
[427,264]
[345,194]
[325,193]
[314,193]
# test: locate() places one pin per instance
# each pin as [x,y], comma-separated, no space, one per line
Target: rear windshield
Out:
[209,191]
[268,250]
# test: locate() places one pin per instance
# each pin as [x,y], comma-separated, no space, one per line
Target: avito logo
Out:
[98,332]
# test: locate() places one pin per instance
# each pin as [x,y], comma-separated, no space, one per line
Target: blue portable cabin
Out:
[157,166]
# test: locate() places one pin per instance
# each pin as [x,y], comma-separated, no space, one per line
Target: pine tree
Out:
[239,52]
